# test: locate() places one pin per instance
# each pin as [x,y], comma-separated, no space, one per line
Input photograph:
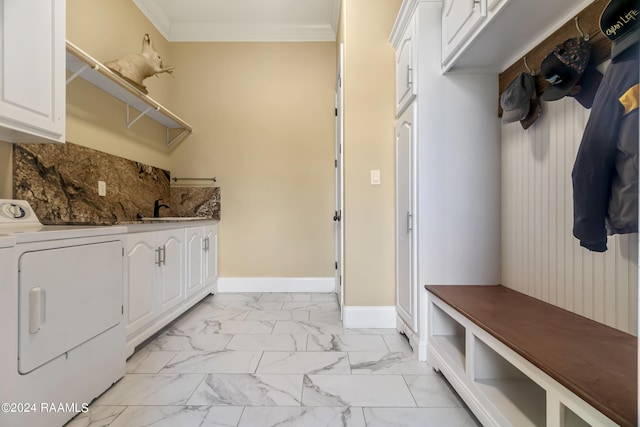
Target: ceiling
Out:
[243,20]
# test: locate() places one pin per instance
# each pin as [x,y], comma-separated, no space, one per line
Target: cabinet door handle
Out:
[409,224]
[158,257]
[409,76]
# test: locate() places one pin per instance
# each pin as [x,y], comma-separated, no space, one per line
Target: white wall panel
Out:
[540,256]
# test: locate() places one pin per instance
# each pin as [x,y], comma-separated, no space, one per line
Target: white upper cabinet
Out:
[405,69]
[32,70]
[459,19]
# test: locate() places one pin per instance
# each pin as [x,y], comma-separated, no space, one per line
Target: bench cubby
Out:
[517,361]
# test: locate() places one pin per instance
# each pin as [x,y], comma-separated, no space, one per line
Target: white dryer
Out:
[61,317]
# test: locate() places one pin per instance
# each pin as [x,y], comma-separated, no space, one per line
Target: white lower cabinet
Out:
[202,258]
[155,273]
[168,271]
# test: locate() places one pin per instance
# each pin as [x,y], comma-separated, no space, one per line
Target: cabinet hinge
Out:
[336,163]
[123,252]
[336,112]
[122,309]
[336,265]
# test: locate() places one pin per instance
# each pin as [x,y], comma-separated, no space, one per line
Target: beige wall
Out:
[263,120]
[369,212]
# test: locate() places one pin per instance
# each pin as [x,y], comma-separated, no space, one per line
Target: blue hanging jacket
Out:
[605,173]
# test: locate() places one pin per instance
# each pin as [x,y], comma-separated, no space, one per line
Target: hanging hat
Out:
[589,84]
[563,67]
[516,98]
[535,110]
[620,23]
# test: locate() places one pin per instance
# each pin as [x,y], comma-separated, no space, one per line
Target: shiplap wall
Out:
[540,256]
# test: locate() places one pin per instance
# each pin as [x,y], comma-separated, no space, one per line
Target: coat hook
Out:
[585,37]
[533,73]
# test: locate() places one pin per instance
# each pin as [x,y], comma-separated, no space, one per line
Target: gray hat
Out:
[516,98]
[619,22]
[535,110]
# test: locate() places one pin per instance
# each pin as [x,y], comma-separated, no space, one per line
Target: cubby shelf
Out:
[82,65]
[500,386]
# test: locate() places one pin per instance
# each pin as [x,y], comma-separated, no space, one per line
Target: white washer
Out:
[61,316]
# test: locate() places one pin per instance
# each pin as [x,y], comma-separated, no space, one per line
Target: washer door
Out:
[67,296]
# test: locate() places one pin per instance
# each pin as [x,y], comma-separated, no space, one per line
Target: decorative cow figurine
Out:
[135,67]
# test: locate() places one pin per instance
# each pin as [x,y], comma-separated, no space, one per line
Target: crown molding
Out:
[250,33]
[238,32]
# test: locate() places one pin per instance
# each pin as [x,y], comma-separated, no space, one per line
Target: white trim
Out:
[238,32]
[359,317]
[276,284]
[223,32]
[156,16]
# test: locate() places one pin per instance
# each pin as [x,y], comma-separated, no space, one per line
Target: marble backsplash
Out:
[61,184]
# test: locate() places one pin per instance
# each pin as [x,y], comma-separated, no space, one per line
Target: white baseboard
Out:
[356,317]
[276,284]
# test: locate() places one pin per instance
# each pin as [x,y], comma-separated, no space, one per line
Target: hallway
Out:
[275,360]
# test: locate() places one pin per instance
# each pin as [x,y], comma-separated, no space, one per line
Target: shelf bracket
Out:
[177,138]
[77,73]
[142,114]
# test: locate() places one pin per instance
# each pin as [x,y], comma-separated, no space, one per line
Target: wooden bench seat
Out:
[595,362]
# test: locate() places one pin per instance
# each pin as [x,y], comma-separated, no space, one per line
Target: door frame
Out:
[339,180]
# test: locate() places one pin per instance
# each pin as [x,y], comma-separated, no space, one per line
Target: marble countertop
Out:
[148,224]
[138,226]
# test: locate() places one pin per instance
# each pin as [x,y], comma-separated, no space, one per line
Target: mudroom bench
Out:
[518,361]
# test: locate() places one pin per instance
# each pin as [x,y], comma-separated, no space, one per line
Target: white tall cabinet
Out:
[447,170]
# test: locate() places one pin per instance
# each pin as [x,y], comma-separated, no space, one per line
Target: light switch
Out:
[375,177]
[102,188]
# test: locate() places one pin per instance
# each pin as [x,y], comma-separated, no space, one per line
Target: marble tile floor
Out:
[260,360]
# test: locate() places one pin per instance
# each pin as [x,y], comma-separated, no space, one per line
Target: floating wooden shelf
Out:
[83,65]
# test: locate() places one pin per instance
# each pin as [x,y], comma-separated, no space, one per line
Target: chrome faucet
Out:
[157,206]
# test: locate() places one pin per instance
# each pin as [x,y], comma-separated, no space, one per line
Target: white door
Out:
[339,196]
[211,255]
[171,272]
[195,247]
[32,68]
[67,296]
[142,260]
[405,87]
[459,19]
[406,286]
